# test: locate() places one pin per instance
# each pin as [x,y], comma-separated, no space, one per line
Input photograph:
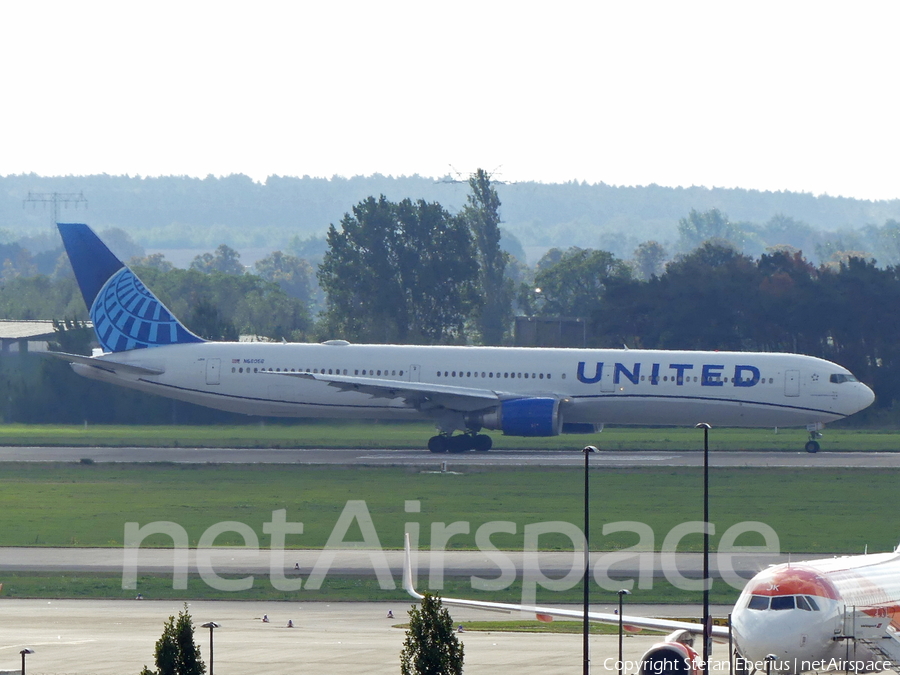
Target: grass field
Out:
[414,435]
[73,504]
[335,588]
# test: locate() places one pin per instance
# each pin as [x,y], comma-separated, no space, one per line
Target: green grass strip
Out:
[72,504]
[315,434]
[335,588]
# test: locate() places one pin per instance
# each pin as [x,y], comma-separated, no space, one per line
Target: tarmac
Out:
[108,637]
[424,460]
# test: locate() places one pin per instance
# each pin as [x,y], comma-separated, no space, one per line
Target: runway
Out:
[364,562]
[436,462]
[95,637]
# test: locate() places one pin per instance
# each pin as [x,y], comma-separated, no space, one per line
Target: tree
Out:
[709,225]
[649,259]
[431,647]
[574,286]
[155,260]
[225,305]
[292,274]
[176,652]
[225,260]
[121,243]
[482,213]
[399,272]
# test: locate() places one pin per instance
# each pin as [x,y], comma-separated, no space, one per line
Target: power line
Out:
[55,198]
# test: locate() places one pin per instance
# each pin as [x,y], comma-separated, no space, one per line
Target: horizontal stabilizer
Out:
[106,364]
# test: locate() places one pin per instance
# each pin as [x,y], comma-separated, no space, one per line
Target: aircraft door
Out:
[606,382]
[415,373]
[792,383]
[213,366]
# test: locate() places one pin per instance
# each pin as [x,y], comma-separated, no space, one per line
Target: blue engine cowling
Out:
[526,417]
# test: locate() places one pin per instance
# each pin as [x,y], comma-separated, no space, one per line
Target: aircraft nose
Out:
[866,397]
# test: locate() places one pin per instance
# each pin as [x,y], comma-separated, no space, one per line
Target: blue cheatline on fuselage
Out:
[125,313]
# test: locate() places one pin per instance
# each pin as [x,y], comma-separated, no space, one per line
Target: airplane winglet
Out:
[407,571]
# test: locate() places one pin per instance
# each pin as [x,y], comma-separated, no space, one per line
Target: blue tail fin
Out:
[125,313]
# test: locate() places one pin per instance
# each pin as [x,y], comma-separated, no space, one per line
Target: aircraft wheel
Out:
[812,446]
[438,444]
[460,443]
[483,442]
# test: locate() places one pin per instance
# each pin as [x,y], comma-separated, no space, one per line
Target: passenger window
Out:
[758,602]
[783,602]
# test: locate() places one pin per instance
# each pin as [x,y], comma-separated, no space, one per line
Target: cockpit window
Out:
[783,602]
[759,602]
[779,602]
[838,378]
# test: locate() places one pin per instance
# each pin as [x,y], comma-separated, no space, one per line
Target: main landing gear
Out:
[460,442]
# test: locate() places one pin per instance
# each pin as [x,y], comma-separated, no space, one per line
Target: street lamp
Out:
[23,653]
[622,593]
[706,622]
[586,654]
[212,625]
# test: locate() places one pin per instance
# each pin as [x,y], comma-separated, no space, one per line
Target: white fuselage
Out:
[806,613]
[595,385]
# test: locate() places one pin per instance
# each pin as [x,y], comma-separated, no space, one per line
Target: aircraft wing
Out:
[666,625]
[420,394]
[106,364]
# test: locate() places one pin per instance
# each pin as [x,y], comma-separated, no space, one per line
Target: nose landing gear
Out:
[815,433]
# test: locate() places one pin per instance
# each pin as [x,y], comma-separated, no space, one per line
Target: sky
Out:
[799,96]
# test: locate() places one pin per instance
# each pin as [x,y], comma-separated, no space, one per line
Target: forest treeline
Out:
[413,271]
[291,214]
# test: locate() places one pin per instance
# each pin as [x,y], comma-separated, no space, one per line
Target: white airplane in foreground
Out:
[519,391]
[830,614]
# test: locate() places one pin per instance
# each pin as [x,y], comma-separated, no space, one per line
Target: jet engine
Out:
[524,417]
[675,656]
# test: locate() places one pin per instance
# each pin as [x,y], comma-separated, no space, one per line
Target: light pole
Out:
[622,593]
[706,622]
[212,625]
[586,653]
[23,653]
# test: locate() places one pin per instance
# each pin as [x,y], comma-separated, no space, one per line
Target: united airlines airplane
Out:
[518,391]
